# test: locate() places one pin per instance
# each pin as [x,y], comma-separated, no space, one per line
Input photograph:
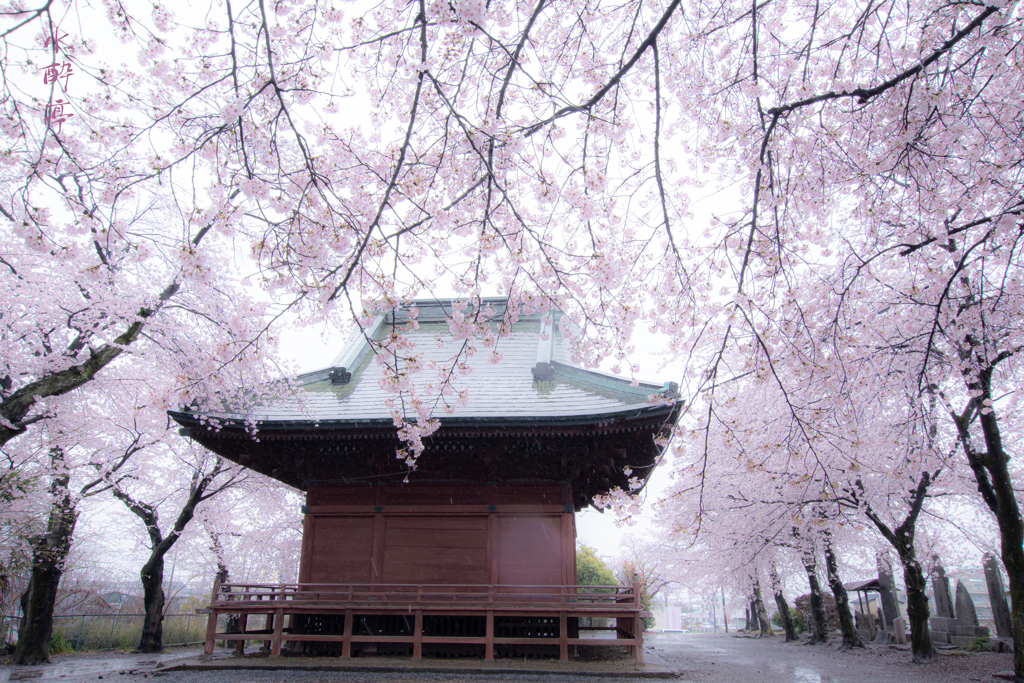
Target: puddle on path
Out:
[77,668]
[808,675]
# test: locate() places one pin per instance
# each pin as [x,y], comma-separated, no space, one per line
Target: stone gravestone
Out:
[890,608]
[967,629]
[943,624]
[965,613]
[940,586]
[997,596]
[900,631]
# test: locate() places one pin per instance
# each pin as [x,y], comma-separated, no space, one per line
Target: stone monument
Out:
[940,586]
[967,629]
[900,631]
[997,596]
[943,624]
[890,608]
[966,615]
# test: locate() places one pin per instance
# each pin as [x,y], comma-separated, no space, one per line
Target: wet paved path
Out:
[698,658]
[725,659]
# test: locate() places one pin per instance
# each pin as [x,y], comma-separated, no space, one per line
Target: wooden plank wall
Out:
[443,535]
[435,549]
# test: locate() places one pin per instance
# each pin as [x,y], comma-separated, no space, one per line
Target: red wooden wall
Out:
[521,535]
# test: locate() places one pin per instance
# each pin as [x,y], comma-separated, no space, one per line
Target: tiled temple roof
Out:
[534,381]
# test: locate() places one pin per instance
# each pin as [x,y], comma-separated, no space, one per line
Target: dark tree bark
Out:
[851,638]
[780,602]
[996,487]
[819,622]
[49,553]
[152,573]
[902,539]
[762,613]
[153,599]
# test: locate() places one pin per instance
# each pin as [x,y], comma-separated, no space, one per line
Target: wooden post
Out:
[346,643]
[417,635]
[638,624]
[489,645]
[271,617]
[243,624]
[269,623]
[563,637]
[211,623]
[275,643]
[638,637]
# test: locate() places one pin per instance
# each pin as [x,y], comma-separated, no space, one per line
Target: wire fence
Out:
[80,632]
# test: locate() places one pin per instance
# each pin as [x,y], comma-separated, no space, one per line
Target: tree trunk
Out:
[780,602]
[917,607]
[49,552]
[725,611]
[762,613]
[902,539]
[850,636]
[819,622]
[996,487]
[152,573]
[1011,536]
[153,598]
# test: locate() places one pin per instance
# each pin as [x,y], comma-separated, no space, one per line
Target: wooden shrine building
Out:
[474,549]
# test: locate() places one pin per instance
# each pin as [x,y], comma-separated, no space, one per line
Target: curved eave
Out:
[624,414]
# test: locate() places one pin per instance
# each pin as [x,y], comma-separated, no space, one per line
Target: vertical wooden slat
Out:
[275,642]
[306,551]
[346,644]
[377,556]
[563,637]
[417,635]
[489,645]
[568,551]
[638,625]
[211,623]
[638,637]
[268,644]
[492,561]
[243,624]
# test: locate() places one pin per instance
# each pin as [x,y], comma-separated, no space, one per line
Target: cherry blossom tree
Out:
[207,476]
[863,160]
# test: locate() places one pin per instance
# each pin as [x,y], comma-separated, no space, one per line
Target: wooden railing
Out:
[294,600]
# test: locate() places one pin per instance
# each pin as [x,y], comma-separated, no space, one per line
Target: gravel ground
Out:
[698,659]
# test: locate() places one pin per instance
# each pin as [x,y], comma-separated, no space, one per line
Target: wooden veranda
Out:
[367,614]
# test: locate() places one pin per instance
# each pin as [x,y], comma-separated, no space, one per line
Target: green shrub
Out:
[982,644]
[59,644]
[798,621]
